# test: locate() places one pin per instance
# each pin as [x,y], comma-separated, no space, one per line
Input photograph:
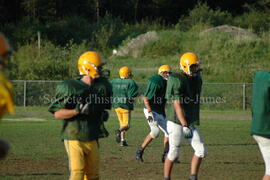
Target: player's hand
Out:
[105,116]
[150,117]
[83,108]
[187,132]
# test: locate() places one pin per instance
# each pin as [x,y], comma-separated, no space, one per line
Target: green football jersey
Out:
[124,90]
[187,90]
[155,92]
[260,124]
[83,127]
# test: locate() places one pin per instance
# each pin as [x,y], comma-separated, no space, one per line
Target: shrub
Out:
[49,63]
[202,14]
[258,21]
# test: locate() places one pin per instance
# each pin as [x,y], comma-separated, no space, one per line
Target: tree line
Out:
[131,11]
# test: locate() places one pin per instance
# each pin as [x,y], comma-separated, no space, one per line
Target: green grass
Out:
[37,152]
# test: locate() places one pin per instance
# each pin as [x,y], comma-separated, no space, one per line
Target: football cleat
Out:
[139,155]
[123,143]
[118,135]
[193,177]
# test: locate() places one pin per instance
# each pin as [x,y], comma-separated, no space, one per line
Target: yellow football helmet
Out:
[125,72]
[5,49]
[189,63]
[90,63]
[6,101]
[164,68]
[164,71]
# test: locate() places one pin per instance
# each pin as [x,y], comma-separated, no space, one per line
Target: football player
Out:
[124,91]
[6,101]
[260,125]
[183,100]
[82,104]
[154,111]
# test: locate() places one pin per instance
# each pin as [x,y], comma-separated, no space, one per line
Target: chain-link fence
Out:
[216,96]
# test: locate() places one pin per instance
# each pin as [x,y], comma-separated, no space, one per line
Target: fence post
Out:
[244,96]
[24,93]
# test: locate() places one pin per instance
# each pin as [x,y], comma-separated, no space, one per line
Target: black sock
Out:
[141,149]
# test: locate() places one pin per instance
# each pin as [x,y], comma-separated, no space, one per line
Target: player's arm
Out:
[179,112]
[173,92]
[65,113]
[146,103]
[149,94]
[58,106]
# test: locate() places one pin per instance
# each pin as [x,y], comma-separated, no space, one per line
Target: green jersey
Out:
[187,90]
[124,90]
[83,127]
[155,92]
[260,124]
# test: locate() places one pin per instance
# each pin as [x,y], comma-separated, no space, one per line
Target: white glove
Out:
[83,108]
[187,132]
[150,117]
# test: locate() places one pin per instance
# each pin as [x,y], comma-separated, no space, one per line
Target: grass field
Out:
[37,152]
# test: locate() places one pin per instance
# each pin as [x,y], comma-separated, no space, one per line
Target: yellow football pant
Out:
[123,116]
[83,159]
[6,101]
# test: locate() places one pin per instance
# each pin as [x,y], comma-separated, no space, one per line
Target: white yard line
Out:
[24,119]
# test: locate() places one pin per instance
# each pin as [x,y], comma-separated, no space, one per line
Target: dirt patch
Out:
[134,47]
[15,168]
[231,30]
[25,119]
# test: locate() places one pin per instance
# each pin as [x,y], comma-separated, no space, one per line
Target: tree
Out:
[258,5]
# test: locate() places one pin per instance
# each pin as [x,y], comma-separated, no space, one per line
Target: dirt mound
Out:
[134,47]
[231,30]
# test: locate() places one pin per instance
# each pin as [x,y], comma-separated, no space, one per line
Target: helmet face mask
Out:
[91,70]
[194,69]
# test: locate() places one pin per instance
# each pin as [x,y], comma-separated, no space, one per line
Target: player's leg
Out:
[140,150]
[200,152]
[162,124]
[120,119]
[154,132]
[154,129]
[76,159]
[264,145]
[125,125]
[175,137]
[166,143]
[165,148]
[266,177]
[92,161]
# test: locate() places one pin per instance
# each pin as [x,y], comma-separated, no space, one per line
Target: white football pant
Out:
[176,136]
[159,123]
[264,145]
